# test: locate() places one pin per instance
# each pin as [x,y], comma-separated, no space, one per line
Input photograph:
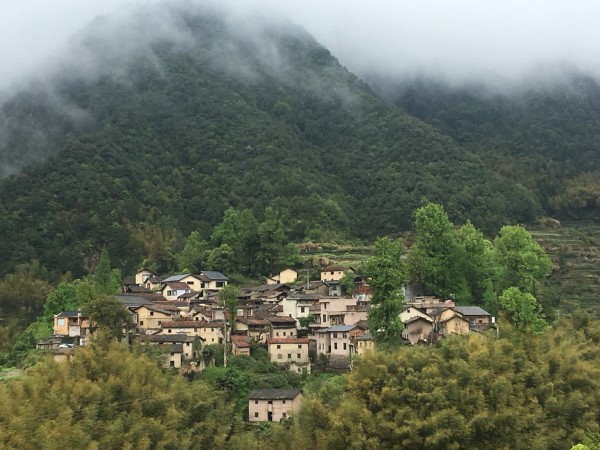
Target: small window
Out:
[270,402]
[284,333]
[187,344]
[278,346]
[335,335]
[256,403]
[240,312]
[299,345]
[159,322]
[170,331]
[284,415]
[302,309]
[335,345]
[299,355]
[277,333]
[289,356]
[284,403]
[151,313]
[141,322]
[344,346]
[256,414]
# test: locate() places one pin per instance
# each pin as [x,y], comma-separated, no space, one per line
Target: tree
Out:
[106,279]
[523,310]
[109,314]
[433,259]
[519,261]
[386,273]
[192,256]
[228,297]
[238,230]
[474,261]
[271,236]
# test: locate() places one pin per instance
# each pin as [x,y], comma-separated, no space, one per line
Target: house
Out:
[364,343]
[174,289]
[417,329]
[333,273]
[193,282]
[256,329]
[272,405]
[150,317]
[72,324]
[212,280]
[282,326]
[334,288]
[285,276]
[454,324]
[479,319]
[240,345]
[210,332]
[190,345]
[292,351]
[339,341]
[142,275]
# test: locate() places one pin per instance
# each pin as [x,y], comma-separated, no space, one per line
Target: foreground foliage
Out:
[108,397]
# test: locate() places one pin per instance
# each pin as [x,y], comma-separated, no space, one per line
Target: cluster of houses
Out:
[298,322]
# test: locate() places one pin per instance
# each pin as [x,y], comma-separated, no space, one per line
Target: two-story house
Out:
[292,351]
[273,405]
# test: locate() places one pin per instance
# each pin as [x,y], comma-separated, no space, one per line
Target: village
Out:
[299,323]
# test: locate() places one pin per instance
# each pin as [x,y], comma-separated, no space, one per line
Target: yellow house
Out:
[364,343]
[333,273]
[240,345]
[283,277]
[150,317]
[143,275]
[292,351]
[210,332]
[212,280]
[273,405]
[455,324]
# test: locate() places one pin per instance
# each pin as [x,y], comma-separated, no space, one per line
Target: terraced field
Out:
[575,250]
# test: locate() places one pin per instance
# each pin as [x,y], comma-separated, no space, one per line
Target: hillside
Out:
[153,128]
[544,135]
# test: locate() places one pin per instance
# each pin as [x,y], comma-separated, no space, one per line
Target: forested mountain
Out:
[545,135]
[157,123]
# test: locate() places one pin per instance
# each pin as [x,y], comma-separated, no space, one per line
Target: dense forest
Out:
[166,135]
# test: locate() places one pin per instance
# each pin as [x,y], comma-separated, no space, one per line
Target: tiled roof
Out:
[338,329]
[178,285]
[214,275]
[240,341]
[274,394]
[287,341]
[166,338]
[190,324]
[471,311]
[281,320]
[132,300]
[333,268]
[68,314]
[414,319]
[177,277]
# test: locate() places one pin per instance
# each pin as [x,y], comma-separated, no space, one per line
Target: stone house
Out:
[272,405]
[292,351]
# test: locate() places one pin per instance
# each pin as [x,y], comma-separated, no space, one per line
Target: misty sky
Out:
[455,39]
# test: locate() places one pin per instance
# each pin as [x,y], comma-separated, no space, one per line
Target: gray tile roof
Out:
[274,394]
[471,311]
[214,275]
[338,329]
[132,300]
[174,278]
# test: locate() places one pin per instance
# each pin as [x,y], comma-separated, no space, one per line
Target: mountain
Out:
[544,135]
[156,122]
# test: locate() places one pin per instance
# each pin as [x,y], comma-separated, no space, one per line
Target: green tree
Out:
[386,273]
[523,310]
[193,255]
[106,279]
[108,313]
[228,297]
[518,260]
[271,237]
[433,258]
[473,261]
[238,230]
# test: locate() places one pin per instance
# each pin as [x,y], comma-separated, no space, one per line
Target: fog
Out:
[462,40]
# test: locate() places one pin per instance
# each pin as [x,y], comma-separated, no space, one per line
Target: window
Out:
[299,355]
[170,331]
[284,415]
[256,414]
[249,312]
[190,283]
[240,312]
[344,346]
[284,333]
[141,322]
[345,335]
[270,402]
[159,322]
[324,317]
[151,313]
[335,335]
[60,322]
[284,403]
[187,344]
[277,333]
[220,284]
[335,345]
[324,305]
[289,356]
[278,346]
[302,308]
[299,345]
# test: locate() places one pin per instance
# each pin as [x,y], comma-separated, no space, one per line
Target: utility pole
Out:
[224,330]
